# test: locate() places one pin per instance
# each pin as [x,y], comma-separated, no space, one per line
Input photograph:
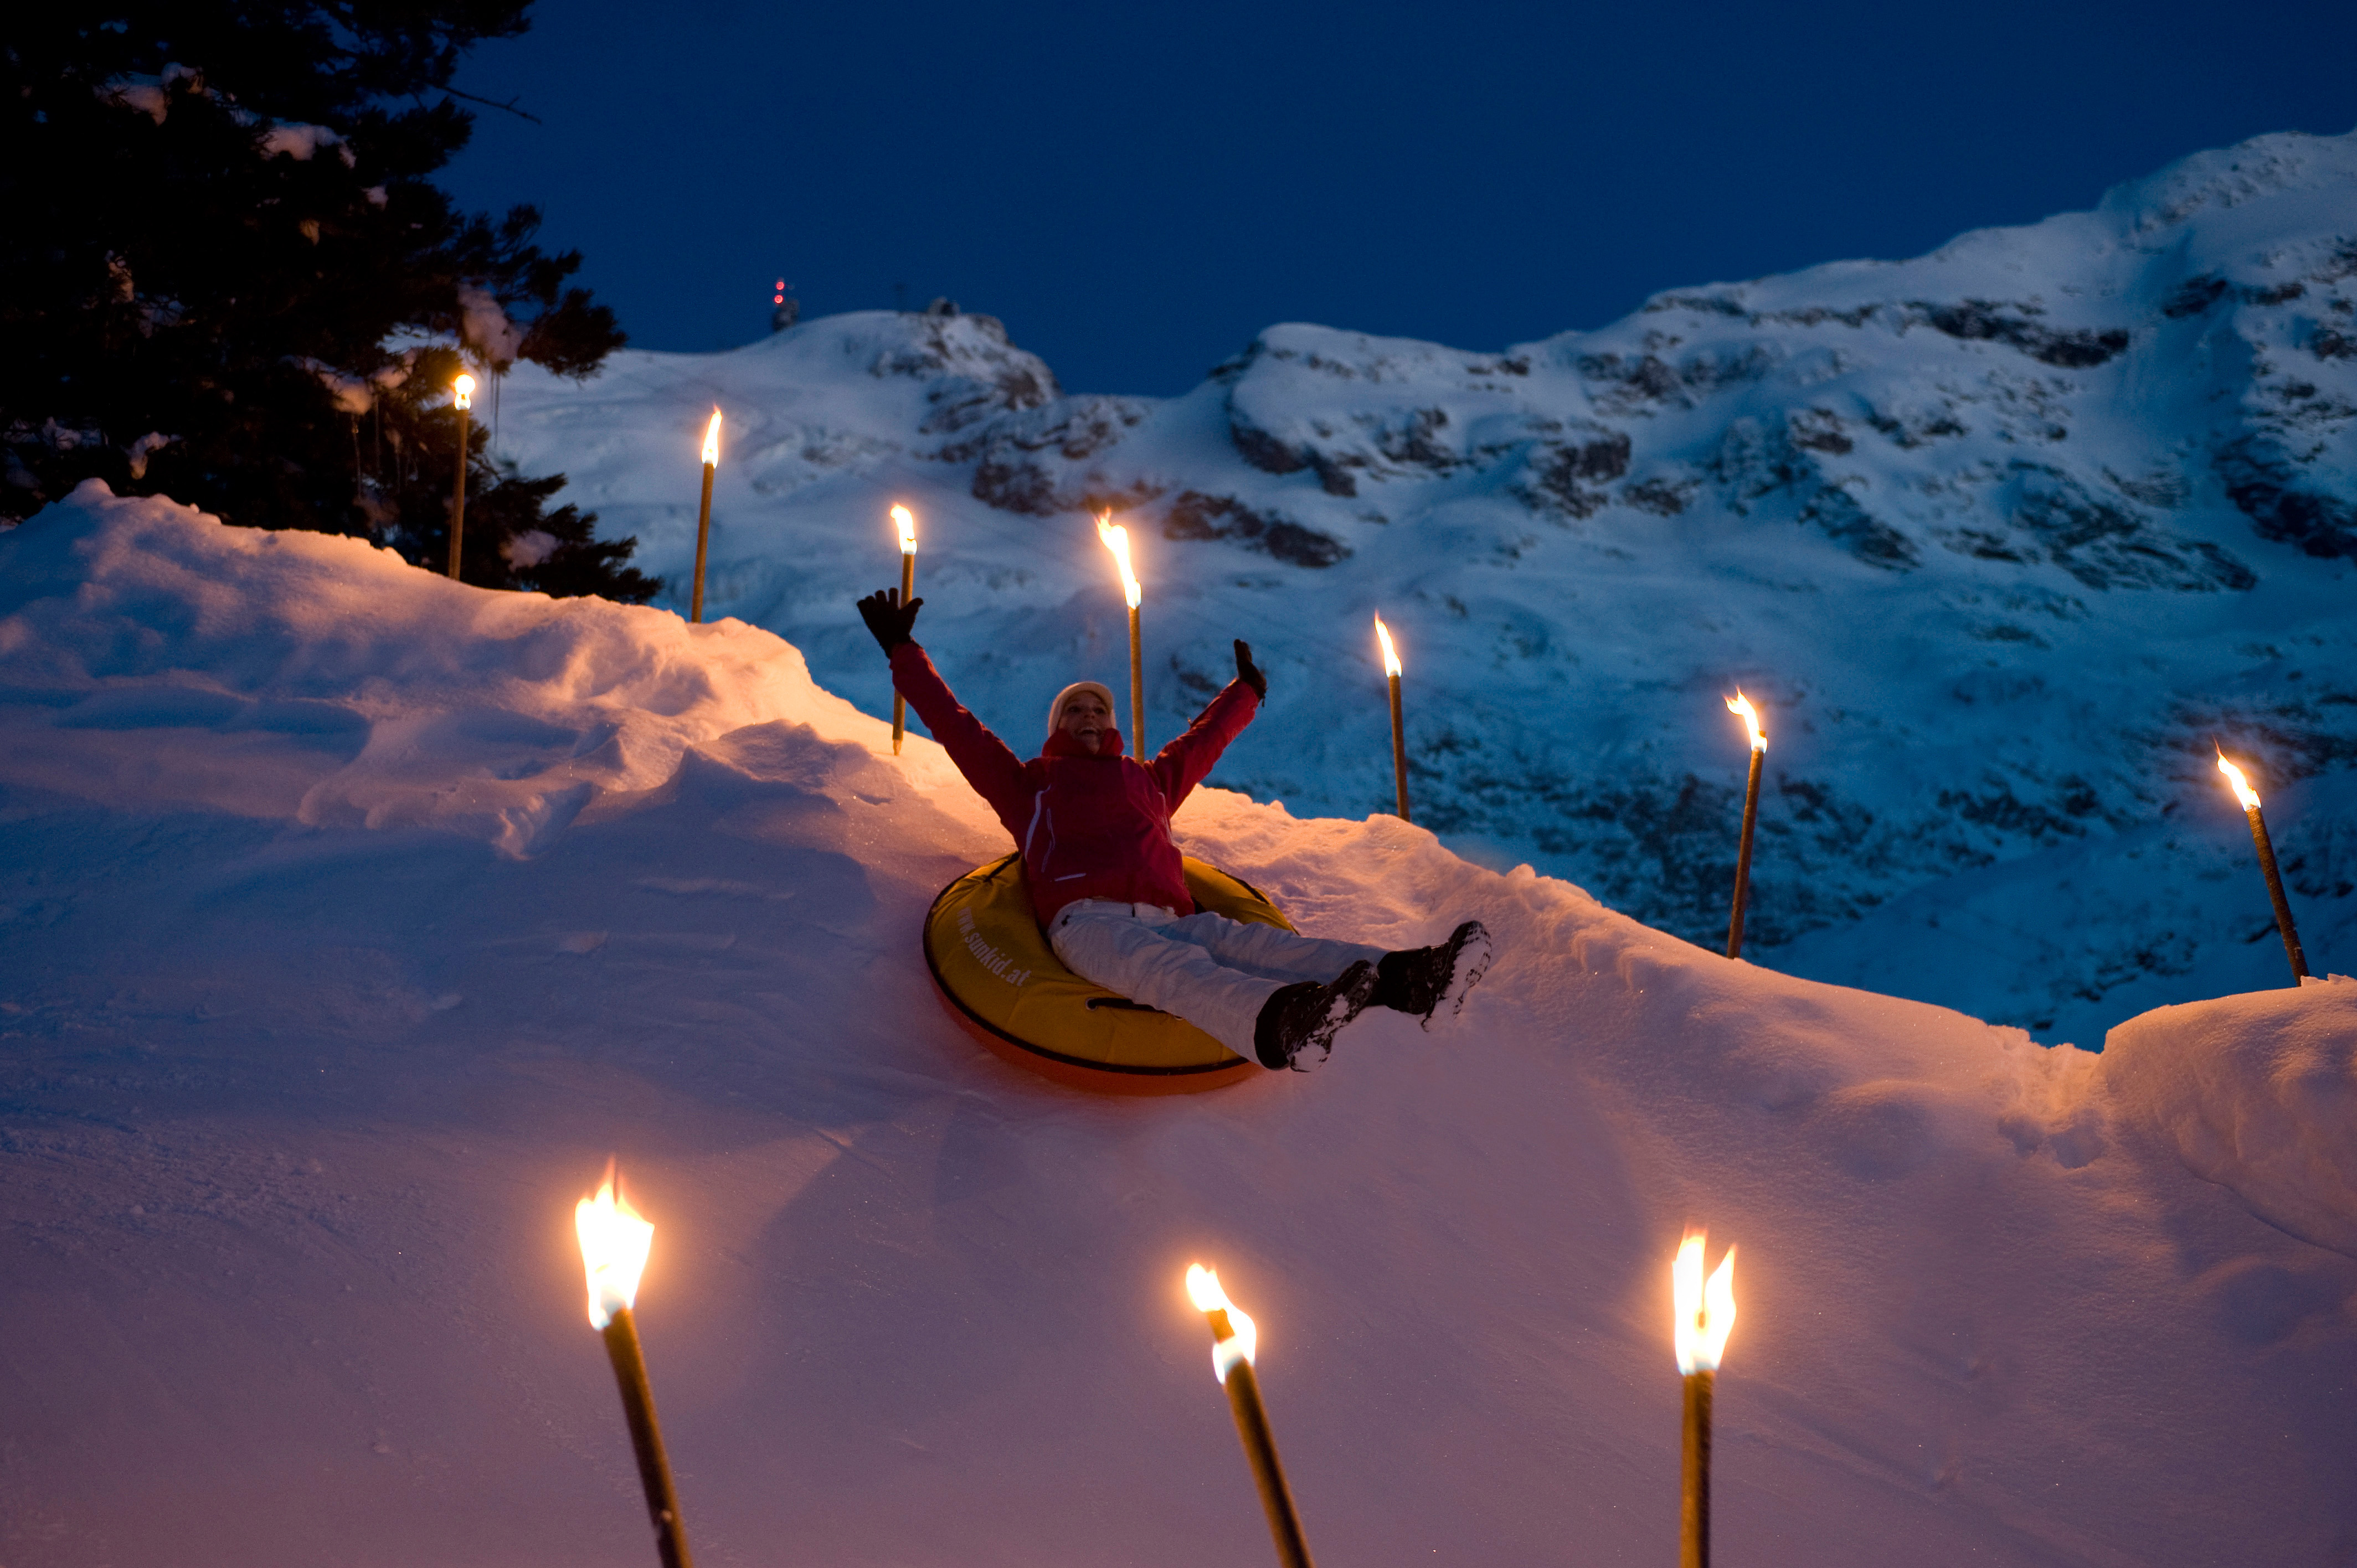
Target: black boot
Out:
[1298,1023]
[1432,981]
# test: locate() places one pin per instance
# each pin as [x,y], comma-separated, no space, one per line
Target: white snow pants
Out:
[1215,972]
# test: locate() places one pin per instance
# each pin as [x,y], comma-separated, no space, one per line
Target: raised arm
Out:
[1181,766]
[988,764]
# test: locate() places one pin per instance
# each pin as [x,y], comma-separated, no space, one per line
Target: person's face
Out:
[1086,719]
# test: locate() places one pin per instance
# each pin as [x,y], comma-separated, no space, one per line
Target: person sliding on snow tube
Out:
[1094,826]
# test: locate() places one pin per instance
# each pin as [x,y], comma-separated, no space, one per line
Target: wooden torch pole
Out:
[703,537]
[1137,691]
[1268,1473]
[2275,892]
[621,1336]
[1694,1499]
[1399,749]
[899,702]
[1743,857]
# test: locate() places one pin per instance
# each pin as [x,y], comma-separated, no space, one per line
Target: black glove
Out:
[1247,671]
[888,618]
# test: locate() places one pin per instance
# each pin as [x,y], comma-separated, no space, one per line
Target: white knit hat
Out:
[1056,708]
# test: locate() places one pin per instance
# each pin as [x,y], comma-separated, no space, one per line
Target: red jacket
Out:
[1088,826]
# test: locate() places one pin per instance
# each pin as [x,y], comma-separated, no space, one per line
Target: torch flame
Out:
[907,526]
[1117,540]
[1706,1313]
[2243,790]
[1739,704]
[614,1242]
[712,440]
[1241,1339]
[1390,654]
[465,387]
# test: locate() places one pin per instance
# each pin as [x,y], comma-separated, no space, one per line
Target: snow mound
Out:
[2259,1094]
[380,695]
[318,1027]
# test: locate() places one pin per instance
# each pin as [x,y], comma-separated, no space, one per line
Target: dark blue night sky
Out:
[1137,189]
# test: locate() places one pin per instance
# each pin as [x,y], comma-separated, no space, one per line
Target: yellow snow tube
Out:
[1001,980]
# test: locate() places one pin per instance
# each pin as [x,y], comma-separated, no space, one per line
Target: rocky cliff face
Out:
[2002,537]
[2215,343]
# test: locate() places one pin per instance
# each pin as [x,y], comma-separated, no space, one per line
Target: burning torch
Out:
[1399,734]
[703,516]
[2250,799]
[1233,1339]
[463,399]
[907,524]
[1705,1314]
[614,1243]
[1741,704]
[1117,540]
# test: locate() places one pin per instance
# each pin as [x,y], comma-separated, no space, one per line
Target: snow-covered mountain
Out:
[351,917]
[2001,538]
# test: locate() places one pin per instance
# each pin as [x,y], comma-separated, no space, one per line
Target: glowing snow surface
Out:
[353,918]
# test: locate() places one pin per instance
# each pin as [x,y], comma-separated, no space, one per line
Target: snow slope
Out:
[351,917]
[2001,537]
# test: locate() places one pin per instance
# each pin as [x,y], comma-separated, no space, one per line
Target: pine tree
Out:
[228,278]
